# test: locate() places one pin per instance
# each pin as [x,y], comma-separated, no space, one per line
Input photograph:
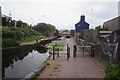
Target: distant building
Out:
[6,21]
[81,25]
[112,25]
[13,23]
[66,34]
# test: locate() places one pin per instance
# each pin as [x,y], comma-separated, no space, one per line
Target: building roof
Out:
[81,24]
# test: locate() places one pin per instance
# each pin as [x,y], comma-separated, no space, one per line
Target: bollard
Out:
[74,50]
[92,50]
[68,52]
[93,53]
[83,50]
[53,52]
[58,53]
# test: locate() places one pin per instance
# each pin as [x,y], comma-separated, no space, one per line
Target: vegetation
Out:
[99,28]
[112,72]
[45,29]
[66,31]
[11,36]
[6,21]
[60,46]
[21,24]
[9,42]
[19,31]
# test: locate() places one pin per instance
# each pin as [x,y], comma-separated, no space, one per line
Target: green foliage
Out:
[65,31]
[8,42]
[18,33]
[45,29]
[14,35]
[60,46]
[99,28]
[31,38]
[112,72]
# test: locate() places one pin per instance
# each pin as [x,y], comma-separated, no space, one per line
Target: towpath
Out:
[78,67]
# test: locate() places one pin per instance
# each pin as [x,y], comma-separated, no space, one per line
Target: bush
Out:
[112,72]
[12,35]
[18,33]
[9,42]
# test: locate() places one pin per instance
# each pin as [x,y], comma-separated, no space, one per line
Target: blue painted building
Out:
[81,25]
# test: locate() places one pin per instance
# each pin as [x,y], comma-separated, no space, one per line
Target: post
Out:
[68,52]
[74,50]
[83,50]
[58,53]
[92,50]
[53,52]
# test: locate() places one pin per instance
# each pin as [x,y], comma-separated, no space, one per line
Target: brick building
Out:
[113,24]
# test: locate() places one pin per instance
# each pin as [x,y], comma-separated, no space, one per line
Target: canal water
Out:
[20,61]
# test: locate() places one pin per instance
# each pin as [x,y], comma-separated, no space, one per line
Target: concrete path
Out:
[27,43]
[78,67]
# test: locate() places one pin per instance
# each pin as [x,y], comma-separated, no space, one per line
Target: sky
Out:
[63,14]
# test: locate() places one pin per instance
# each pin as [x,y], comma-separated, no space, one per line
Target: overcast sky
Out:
[64,14]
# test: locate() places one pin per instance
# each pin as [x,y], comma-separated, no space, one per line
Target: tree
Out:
[19,23]
[46,29]
[65,31]
[25,24]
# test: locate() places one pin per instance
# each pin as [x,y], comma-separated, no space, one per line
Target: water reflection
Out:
[28,57]
[41,49]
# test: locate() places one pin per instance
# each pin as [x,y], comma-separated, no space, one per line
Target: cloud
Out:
[61,13]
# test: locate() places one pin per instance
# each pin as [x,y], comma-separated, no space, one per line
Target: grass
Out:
[60,46]
[9,43]
[11,36]
[31,39]
[112,72]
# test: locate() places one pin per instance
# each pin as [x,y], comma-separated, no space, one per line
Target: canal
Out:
[20,61]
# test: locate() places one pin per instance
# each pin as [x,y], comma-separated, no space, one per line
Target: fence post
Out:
[83,50]
[53,52]
[68,52]
[93,50]
[58,53]
[74,50]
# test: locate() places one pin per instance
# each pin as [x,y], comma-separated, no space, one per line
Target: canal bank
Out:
[42,42]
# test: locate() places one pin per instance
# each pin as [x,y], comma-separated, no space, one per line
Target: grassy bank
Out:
[58,45]
[12,36]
